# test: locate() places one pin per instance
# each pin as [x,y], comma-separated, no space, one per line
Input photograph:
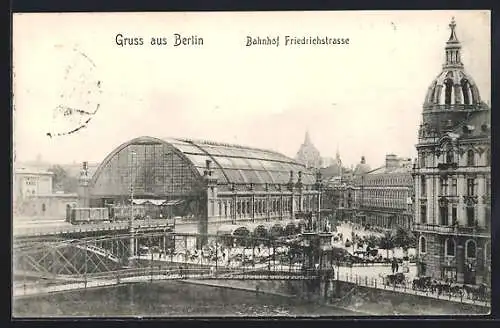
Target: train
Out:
[92,215]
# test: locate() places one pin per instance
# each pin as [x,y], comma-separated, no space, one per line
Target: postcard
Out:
[251,164]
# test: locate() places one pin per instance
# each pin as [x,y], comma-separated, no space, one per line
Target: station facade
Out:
[211,183]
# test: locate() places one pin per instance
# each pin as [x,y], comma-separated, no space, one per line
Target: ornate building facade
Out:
[341,194]
[452,176]
[384,195]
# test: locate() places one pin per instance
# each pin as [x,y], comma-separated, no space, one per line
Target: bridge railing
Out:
[408,287]
[204,272]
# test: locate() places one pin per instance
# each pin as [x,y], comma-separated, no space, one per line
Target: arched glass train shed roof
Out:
[230,163]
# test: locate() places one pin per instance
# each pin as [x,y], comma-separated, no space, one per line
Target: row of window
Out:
[384,193]
[446,220]
[449,187]
[388,180]
[387,222]
[450,248]
[382,202]
[244,207]
[449,157]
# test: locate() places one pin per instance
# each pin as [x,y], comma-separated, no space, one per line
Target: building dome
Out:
[362,167]
[453,86]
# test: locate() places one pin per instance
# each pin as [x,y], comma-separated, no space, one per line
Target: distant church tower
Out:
[452,176]
[308,154]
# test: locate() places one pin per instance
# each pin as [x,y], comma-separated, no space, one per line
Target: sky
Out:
[364,98]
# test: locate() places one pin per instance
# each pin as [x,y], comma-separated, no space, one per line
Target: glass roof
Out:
[238,164]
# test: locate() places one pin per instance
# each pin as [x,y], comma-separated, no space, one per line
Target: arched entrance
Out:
[470,262]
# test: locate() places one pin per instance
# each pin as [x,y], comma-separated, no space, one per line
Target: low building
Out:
[33,195]
[383,196]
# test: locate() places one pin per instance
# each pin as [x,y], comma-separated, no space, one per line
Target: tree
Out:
[387,242]
[405,239]
[372,241]
[61,181]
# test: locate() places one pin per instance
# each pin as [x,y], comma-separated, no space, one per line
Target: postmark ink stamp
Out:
[80,96]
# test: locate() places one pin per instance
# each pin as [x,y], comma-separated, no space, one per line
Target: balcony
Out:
[470,200]
[443,200]
[449,230]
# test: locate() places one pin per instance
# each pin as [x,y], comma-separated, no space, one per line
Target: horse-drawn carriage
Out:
[449,287]
[396,279]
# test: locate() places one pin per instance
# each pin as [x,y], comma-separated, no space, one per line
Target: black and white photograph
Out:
[295,164]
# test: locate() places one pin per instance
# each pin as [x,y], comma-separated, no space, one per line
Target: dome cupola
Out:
[453,88]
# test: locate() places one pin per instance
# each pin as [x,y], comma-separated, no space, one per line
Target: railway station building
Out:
[211,183]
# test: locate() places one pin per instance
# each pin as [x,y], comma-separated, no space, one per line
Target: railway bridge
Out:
[96,254]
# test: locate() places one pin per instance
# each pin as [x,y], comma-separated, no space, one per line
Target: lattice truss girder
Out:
[57,257]
[69,257]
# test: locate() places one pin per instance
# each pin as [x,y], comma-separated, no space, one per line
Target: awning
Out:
[173,202]
[157,202]
[148,201]
[139,201]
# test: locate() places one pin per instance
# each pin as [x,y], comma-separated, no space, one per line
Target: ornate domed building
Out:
[452,177]
[362,167]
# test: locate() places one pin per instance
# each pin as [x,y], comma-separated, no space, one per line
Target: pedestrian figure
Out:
[394,265]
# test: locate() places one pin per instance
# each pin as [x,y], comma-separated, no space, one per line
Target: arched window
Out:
[470,249]
[449,247]
[465,92]
[470,157]
[448,88]
[422,160]
[449,156]
[43,208]
[433,93]
[423,245]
